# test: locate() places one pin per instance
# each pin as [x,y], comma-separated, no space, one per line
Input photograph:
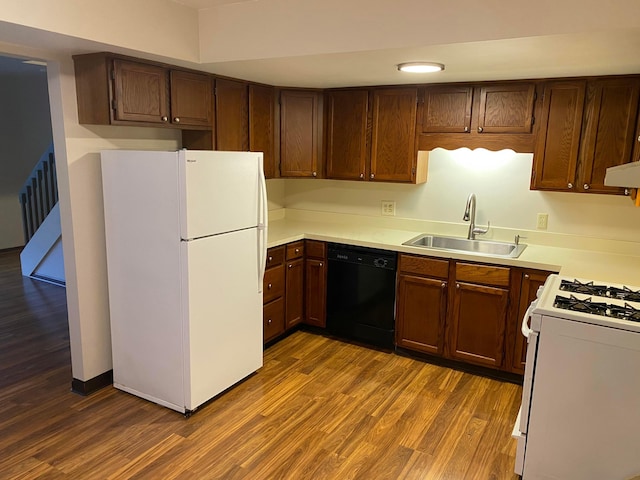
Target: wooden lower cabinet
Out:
[477,324]
[273,291]
[531,281]
[294,271]
[273,319]
[315,283]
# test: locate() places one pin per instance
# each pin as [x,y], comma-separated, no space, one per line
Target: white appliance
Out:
[186,248]
[580,413]
[625,175]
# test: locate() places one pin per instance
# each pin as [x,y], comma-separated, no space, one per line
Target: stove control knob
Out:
[569,185]
[586,186]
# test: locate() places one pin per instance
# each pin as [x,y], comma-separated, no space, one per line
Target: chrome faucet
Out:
[470,216]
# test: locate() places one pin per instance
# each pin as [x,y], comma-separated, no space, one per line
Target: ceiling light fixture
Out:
[420,67]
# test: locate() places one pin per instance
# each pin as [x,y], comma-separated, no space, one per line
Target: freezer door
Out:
[221,192]
[223,331]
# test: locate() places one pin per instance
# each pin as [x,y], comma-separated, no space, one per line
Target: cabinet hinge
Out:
[113,74]
[114,104]
[535,96]
[533,120]
[215,91]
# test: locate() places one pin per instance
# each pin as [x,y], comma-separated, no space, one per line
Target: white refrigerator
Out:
[186,246]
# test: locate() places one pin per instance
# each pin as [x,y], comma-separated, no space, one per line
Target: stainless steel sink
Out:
[458,244]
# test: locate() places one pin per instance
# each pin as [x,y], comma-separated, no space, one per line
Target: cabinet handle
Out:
[526,276]
[639,138]
[269,286]
[466,129]
[569,185]
[373,175]
[362,175]
[457,285]
[270,258]
[321,264]
[480,129]
[314,174]
[443,284]
[290,265]
[586,186]
[269,321]
[626,192]
[297,250]
[164,118]
[176,119]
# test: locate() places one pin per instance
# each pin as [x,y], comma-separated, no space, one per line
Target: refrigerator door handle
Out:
[262,228]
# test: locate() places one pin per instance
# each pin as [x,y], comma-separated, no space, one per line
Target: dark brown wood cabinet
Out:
[531,280]
[393,152]
[262,131]
[556,152]
[346,141]
[232,115]
[478,319]
[493,116]
[315,283]
[421,303]
[294,311]
[300,133]
[117,90]
[273,296]
[611,111]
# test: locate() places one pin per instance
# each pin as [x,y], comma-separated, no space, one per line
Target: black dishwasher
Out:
[361,286]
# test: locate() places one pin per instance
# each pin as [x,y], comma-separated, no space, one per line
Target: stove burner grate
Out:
[626,312]
[588,288]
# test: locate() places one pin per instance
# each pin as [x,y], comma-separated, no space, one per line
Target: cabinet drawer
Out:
[273,283]
[431,267]
[273,319]
[483,274]
[275,256]
[315,249]
[295,250]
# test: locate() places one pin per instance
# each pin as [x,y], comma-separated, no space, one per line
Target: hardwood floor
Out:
[318,409]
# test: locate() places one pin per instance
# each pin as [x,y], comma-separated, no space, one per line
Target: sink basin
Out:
[458,244]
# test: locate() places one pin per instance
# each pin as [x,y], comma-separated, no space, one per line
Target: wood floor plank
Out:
[319,408]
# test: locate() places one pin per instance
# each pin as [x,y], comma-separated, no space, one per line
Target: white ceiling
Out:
[332,43]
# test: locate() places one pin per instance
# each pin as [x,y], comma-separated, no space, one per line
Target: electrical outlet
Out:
[543,219]
[389,208]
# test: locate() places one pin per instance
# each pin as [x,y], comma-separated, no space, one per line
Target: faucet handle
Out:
[482,231]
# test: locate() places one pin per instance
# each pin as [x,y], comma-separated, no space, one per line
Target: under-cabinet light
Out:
[420,67]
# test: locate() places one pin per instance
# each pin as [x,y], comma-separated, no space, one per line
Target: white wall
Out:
[500,181]
[25,134]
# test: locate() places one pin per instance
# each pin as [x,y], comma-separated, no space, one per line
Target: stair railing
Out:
[39,193]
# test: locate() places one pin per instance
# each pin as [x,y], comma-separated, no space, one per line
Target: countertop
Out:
[600,264]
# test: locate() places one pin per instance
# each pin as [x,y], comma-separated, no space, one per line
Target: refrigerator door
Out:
[223,331]
[221,192]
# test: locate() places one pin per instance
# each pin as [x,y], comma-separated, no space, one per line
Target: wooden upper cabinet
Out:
[261,125]
[556,153]
[300,133]
[506,108]
[141,92]
[232,115]
[611,111]
[191,99]
[393,152]
[447,109]
[346,148]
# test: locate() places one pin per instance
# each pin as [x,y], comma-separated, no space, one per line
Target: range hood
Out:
[627,175]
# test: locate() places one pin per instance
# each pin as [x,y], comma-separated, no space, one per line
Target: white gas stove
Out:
[580,413]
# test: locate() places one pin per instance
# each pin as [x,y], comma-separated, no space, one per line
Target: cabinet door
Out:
[531,281]
[506,108]
[421,313]
[611,109]
[261,125]
[232,115]
[315,292]
[299,134]
[294,293]
[393,152]
[556,152]
[191,99]
[273,319]
[347,134]
[447,109]
[477,324]
[141,92]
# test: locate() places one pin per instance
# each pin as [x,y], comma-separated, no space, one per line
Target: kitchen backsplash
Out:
[500,181]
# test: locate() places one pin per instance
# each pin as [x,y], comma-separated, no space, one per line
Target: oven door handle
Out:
[526,330]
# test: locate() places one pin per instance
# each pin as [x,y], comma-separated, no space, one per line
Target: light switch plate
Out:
[388,208]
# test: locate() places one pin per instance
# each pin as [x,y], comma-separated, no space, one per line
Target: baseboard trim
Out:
[93,384]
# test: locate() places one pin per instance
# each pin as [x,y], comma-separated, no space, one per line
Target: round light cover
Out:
[420,67]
